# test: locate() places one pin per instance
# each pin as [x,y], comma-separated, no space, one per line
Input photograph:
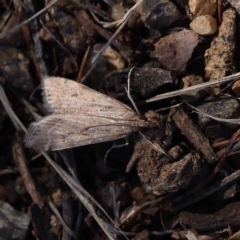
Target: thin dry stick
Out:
[210,177]
[219,9]
[21,162]
[173,106]
[99,54]
[223,143]
[37,45]
[128,89]
[220,162]
[152,233]
[36,156]
[91,27]
[3,35]
[83,63]
[125,17]
[8,171]
[59,43]
[134,210]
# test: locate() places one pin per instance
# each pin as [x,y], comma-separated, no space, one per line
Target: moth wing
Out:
[58,131]
[66,96]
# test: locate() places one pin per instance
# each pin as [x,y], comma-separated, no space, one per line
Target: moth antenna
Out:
[34,91]
[115,146]
[129,94]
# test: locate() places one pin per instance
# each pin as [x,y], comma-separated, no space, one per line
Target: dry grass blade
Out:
[121,23]
[76,189]
[197,87]
[18,152]
[99,54]
[16,122]
[59,43]
[3,35]
[232,121]
[190,236]
[67,229]
[80,192]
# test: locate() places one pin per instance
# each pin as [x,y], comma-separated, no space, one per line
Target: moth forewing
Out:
[66,96]
[80,116]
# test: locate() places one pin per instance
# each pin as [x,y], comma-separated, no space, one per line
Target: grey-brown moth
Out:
[81,116]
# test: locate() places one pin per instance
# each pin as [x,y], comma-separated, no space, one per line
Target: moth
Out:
[81,116]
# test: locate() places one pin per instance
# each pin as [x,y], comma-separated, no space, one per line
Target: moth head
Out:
[36,138]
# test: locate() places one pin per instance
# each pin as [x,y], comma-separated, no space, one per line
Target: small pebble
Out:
[118,12]
[202,7]
[175,50]
[189,81]
[114,58]
[224,107]
[204,25]
[158,14]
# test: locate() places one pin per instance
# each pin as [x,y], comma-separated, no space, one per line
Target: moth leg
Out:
[129,94]
[155,145]
[115,146]
[135,157]
[103,125]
